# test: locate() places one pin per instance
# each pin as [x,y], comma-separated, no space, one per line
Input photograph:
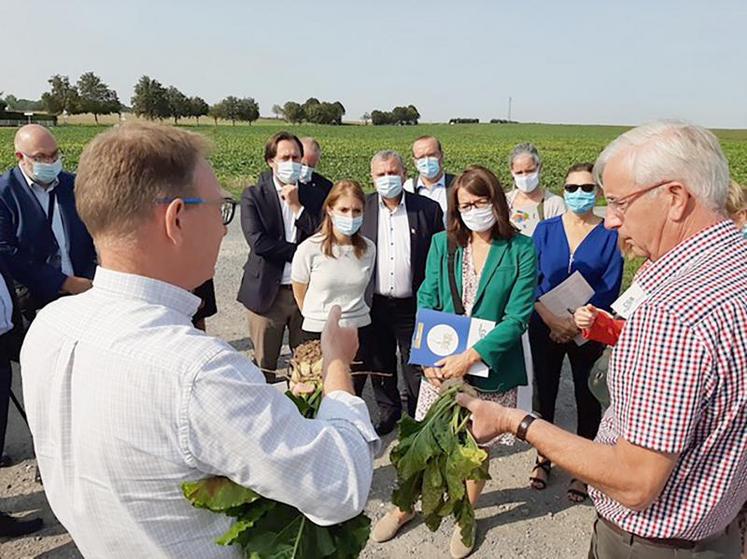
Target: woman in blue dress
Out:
[573,241]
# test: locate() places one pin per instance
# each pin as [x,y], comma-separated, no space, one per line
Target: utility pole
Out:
[509,109]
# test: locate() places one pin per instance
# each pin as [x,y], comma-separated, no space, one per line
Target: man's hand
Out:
[339,346]
[488,418]
[290,194]
[74,285]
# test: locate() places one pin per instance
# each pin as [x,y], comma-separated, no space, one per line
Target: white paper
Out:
[629,301]
[525,394]
[478,329]
[564,299]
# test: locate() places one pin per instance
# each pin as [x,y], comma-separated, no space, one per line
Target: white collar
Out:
[440,183]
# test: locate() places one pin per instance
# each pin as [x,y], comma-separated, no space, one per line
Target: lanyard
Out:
[50,207]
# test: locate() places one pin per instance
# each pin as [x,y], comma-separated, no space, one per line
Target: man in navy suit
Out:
[402,225]
[46,246]
[276,215]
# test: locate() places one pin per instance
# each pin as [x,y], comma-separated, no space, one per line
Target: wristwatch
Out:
[521,431]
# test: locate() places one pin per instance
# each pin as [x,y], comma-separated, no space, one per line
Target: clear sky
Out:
[564,61]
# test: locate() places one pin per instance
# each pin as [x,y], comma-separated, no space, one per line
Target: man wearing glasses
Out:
[45,244]
[126,400]
[667,470]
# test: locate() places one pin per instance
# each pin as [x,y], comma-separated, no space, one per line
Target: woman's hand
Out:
[585,316]
[456,366]
[434,376]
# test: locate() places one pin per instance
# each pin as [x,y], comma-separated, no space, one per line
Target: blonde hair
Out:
[124,171]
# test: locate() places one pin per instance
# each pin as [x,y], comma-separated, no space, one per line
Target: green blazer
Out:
[505,295]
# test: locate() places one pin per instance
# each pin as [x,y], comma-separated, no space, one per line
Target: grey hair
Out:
[386,155]
[524,149]
[676,151]
[313,142]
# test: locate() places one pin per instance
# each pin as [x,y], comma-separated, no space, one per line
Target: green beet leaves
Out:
[433,459]
[267,529]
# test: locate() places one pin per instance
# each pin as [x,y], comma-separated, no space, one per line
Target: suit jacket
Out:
[321,182]
[262,223]
[505,295]
[425,218]
[27,240]
[10,342]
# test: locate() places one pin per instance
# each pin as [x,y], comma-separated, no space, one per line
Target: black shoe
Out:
[386,426]
[12,527]
[5,461]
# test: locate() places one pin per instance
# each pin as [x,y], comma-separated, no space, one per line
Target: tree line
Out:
[152,100]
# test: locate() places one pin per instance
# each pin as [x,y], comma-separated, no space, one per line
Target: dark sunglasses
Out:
[584,187]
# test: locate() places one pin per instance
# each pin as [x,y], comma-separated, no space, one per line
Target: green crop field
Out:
[347,150]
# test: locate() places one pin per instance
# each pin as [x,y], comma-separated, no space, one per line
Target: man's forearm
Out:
[610,469]
[337,377]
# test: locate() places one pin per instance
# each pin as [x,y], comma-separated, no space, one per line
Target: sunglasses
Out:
[584,187]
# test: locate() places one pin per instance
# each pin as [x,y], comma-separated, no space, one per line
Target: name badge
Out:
[629,301]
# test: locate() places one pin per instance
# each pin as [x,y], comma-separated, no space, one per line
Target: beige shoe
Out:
[457,548]
[386,528]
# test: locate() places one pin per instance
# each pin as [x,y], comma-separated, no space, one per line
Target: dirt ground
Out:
[513,520]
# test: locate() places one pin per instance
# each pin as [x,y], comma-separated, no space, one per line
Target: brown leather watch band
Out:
[521,431]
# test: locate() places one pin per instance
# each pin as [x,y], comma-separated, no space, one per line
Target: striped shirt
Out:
[678,384]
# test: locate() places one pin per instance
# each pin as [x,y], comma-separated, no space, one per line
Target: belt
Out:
[670,543]
[390,298]
[286,286]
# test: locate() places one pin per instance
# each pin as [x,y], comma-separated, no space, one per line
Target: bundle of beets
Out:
[434,458]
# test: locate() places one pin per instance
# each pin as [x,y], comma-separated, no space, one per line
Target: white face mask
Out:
[306,173]
[288,172]
[527,183]
[479,219]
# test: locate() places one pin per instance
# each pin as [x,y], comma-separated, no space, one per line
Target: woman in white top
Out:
[529,203]
[334,266]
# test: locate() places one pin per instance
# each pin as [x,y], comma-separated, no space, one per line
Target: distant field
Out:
[347,150]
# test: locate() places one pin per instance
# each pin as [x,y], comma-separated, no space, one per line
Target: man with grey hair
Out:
[402,225]
[312,154]
[668,468]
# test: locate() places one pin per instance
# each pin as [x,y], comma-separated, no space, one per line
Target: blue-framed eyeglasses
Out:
[227,205]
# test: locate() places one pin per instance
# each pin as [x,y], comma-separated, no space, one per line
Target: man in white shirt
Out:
[402,225]
[126,399]
[276,216]
[431,181]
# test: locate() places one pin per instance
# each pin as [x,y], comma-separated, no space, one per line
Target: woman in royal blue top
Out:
[574,241]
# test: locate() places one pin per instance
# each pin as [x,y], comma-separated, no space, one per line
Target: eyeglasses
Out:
[227,205]
[584,187]
[621,205]
[43,158]
[480,204]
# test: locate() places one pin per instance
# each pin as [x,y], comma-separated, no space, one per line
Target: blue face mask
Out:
[389,186]
[46,173]
[346,224]
[428,167]
[580,202]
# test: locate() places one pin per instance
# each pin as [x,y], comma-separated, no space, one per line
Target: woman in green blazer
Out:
[495,272]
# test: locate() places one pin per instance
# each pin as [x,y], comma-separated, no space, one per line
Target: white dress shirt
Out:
[6,307]
[436,192]
[126,400]
[289,222]
[393,266]
[58,228]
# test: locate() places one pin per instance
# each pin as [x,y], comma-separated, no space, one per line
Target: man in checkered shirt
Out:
[668,469]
